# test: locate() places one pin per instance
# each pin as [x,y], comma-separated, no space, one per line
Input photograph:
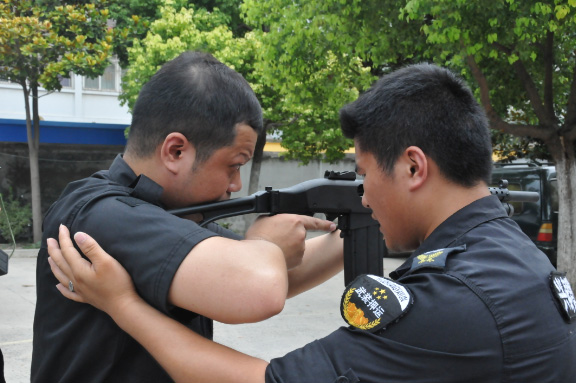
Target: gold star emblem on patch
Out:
[380,293]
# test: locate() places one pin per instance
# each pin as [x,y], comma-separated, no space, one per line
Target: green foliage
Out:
[311,56]
[306,60]
[319,55]
[181,29]
[41,42]
[19,216]
[176,31]
[503,37]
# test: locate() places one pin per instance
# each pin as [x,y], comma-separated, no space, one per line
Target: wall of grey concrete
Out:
[278,173]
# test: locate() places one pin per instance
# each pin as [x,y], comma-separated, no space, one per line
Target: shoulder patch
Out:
[131,201]
[435,259]
[371,302]
[564,295]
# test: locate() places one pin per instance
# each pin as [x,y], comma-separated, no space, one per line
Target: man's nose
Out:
[365,202]
[235,183]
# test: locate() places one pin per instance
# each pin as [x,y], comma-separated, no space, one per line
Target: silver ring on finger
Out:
[71,286]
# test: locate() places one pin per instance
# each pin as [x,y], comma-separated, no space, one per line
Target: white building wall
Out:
[71,104]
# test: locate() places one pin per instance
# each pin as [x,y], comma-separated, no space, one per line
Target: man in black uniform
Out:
[194,125]
[475,302]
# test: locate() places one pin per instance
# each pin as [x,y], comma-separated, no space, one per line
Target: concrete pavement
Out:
[306,317]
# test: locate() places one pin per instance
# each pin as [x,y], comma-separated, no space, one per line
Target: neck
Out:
[448,198]
[144,166]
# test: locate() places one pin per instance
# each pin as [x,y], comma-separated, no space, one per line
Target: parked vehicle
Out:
[538,220]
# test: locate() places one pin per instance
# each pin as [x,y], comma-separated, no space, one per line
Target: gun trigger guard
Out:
[331,217]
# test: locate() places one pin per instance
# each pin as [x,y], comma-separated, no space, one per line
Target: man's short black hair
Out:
[198,96]
[429,107]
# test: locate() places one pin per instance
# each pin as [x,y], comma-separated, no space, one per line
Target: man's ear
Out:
[415,165]
[176,151]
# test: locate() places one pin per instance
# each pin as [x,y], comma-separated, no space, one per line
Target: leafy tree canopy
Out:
[176,31]
[522,52]
[196,28]
[42,43]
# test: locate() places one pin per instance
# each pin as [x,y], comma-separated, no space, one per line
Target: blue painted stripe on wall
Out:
[54,132]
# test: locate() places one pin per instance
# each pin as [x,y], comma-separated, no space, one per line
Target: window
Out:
[4,79]
[109,81]
[66,82]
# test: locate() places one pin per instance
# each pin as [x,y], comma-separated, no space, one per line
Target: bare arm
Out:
[323,258]
[244,281]
[185,355]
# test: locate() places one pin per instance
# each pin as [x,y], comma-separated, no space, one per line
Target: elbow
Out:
[267,299]
[270,305]
[270,296]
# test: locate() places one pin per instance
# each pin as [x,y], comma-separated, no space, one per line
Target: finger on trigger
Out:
[319,224]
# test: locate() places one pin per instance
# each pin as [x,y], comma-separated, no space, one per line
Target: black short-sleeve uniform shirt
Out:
[75,342]
[483,311]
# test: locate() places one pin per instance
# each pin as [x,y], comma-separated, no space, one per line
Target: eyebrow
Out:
[248,157]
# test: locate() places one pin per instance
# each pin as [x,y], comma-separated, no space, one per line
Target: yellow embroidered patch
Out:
[371,302]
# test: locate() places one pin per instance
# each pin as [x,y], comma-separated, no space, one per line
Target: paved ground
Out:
[305,318]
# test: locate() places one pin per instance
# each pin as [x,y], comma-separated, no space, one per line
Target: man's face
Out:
[219,176]
[385,195]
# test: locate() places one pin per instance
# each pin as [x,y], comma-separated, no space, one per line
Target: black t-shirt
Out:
[75,342]
[481,313]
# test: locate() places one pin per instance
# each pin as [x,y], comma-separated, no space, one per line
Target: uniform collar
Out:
[142,187]
[449,232]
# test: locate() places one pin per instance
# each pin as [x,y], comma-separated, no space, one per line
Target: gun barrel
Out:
[520,196]
[506,195]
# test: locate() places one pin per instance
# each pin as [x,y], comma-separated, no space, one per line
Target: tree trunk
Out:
[255,172]
[33,133]
[566,174]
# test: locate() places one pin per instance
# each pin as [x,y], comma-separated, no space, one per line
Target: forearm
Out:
[323,258]
[185,355]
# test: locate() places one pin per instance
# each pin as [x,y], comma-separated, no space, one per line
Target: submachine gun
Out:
[338,196]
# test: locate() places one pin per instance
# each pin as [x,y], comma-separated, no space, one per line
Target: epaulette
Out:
[435,259]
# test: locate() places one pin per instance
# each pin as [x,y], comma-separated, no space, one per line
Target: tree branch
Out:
[522,130]
[524,77]
[496,122]
[478,75]
[549,74]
